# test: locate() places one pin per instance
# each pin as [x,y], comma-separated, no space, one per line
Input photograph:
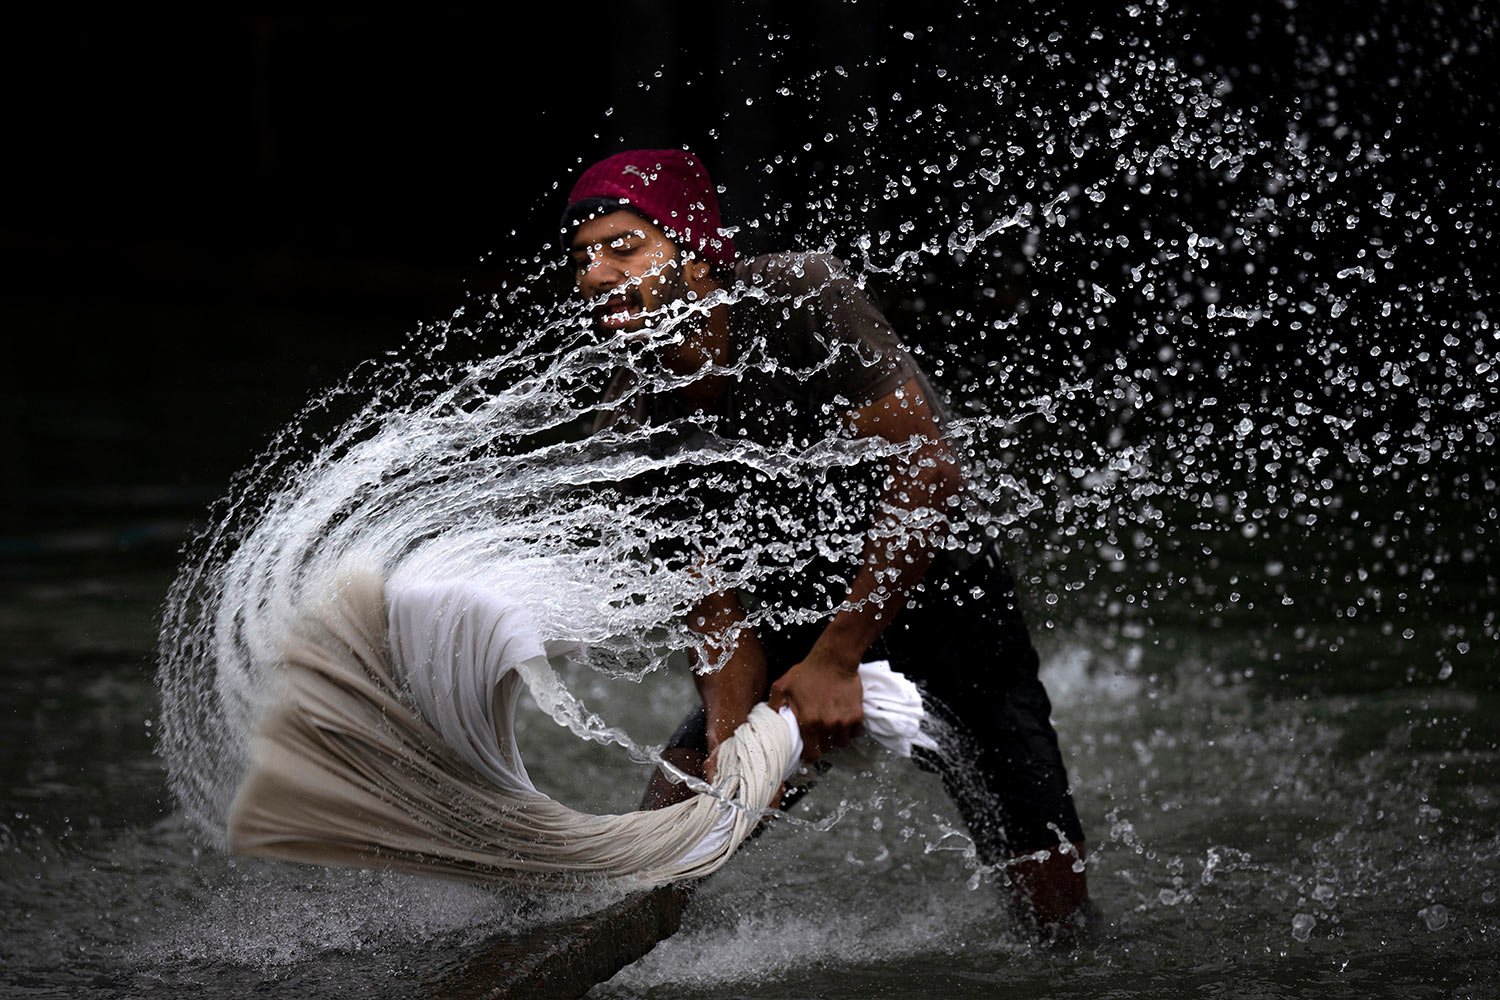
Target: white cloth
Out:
[348,771]
[458,648]
[893,718]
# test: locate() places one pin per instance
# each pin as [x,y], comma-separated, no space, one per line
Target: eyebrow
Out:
[618,234]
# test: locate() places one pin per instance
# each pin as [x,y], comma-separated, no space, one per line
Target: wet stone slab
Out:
[568,958]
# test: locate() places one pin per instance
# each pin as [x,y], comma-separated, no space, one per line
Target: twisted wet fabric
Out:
[391,745]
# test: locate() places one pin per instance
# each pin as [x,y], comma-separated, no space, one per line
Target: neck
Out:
[703,350]
[709,349]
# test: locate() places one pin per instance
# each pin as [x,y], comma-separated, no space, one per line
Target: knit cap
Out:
[668,187]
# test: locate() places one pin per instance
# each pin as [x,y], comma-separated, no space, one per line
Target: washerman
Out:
[786,352]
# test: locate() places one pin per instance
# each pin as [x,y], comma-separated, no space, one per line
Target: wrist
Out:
[728,707]
[837,653]
[722,723]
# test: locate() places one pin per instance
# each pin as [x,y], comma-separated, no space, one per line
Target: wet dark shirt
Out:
[813,346]
[808,348]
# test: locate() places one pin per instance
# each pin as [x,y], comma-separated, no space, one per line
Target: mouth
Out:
[621,309]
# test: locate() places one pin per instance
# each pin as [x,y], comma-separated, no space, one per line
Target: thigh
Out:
[966,645]
[963,635]
[788,646]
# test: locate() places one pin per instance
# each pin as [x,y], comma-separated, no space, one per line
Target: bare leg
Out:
[1049,895]
[662,791]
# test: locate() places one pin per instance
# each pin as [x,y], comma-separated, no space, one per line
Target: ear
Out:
[694,269]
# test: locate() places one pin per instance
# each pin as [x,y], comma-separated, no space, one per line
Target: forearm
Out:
[899,547]
[824,689]
[739,682]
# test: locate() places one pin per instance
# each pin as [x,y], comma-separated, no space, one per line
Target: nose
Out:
[598,276]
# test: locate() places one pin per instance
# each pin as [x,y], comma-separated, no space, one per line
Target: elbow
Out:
[950,480]
[938,476]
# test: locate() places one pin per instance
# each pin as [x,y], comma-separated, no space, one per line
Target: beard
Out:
[657,304]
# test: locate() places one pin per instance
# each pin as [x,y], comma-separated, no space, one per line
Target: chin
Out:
[633,325]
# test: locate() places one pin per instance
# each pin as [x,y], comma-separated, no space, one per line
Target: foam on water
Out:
[265,920]
[750,944]
[1235,835]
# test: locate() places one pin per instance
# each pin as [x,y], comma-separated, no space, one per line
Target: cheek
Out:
[656,280]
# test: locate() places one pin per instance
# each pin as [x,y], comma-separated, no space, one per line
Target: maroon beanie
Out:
[666,186]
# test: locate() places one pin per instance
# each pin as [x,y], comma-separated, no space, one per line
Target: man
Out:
[782,353]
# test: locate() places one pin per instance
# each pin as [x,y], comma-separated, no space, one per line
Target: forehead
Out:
[613,226]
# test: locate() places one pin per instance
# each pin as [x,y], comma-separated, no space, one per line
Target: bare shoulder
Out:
[794,272]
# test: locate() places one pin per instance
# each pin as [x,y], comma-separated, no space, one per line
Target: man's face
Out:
[629,266]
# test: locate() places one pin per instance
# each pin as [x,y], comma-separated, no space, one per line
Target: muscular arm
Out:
[728,693]
[731,691]
[824,689]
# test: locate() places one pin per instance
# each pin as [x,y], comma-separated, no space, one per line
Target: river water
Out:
[1266,817]
[1234,423]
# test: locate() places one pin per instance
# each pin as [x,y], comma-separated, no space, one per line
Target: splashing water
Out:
[1212,360]
[1196,375]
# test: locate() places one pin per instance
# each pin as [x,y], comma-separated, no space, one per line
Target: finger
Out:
[836,737]
[777,698]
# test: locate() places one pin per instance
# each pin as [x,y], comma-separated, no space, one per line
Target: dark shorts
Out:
[973,660]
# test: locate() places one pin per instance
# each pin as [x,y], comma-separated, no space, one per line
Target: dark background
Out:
[211,218]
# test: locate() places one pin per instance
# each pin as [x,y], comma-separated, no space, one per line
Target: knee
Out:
[664,789]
